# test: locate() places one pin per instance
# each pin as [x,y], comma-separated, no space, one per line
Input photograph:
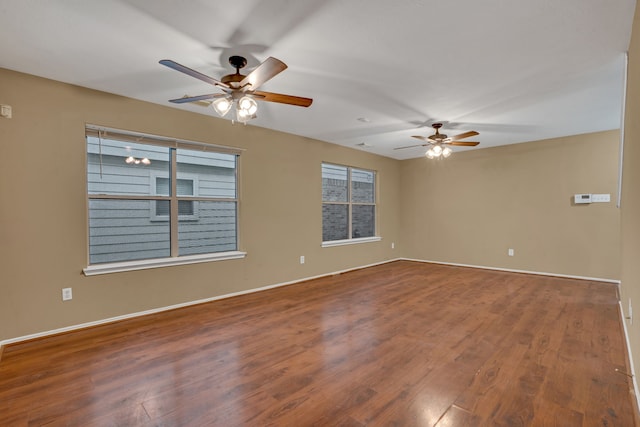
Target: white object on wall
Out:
[5,111]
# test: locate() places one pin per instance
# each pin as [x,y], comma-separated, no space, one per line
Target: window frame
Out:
[153,213]
[350,203]
[173,145]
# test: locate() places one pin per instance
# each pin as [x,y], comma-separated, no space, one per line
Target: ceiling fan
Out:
[438,142]
[238,89]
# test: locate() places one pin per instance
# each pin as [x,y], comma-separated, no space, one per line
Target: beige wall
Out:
[43,223]
[475,205]
[469,209]
[630,287]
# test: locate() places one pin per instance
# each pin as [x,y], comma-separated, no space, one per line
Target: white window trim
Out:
[118,267]
[355,241]
[123,135]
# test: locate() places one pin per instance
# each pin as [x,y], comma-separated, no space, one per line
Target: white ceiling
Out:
[512,70]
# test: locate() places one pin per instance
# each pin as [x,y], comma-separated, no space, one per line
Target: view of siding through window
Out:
[129,202]
[184,187]
[348,203]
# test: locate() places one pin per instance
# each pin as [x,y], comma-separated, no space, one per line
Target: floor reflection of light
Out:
[428,412]
[173,397]
[343,339]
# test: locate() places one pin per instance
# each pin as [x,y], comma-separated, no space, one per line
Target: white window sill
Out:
[117,267]
[350,241]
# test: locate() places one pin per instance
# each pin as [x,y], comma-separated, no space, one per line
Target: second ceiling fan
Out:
[239,89]
[438,142]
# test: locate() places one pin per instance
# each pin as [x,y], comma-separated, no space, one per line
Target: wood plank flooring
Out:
[400,344]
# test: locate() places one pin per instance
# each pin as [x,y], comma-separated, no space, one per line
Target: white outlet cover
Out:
[5,111]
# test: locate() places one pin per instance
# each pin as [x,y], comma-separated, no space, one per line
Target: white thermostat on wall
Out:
[582,198]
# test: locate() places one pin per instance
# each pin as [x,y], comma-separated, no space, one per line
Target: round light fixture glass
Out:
[248,105]
[222,105]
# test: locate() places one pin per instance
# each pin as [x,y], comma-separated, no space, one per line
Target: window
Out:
[187,209]
[151,198]
[348,203]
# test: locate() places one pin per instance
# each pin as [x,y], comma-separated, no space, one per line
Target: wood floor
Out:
[401,344]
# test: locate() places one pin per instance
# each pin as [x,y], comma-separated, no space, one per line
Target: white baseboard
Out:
[175,306]
[630,355]
[511,270]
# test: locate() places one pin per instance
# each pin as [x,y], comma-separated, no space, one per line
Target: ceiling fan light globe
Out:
[222,106]
[437,150]
[430,154]
[248,105]
[446,152]
[243,116]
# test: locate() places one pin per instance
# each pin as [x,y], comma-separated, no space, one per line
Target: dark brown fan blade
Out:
[186,99]
[265,71]
[411,146]
[463,143]
[193,73]
[463,135]
[283,99]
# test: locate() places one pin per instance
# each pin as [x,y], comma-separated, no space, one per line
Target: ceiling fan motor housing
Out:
[232,78]
[437,136]
[236,62]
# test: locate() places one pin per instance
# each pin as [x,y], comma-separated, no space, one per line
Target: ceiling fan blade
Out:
[422,138]
[411,146]
[204,103]
[283,99]
[463,135]
[463,143]
[193,73]
[265,71]
[186,98]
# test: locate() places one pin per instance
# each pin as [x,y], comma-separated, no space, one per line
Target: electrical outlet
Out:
[393,245]
[67,294]
[510,252]
[5,111]
[301,259]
